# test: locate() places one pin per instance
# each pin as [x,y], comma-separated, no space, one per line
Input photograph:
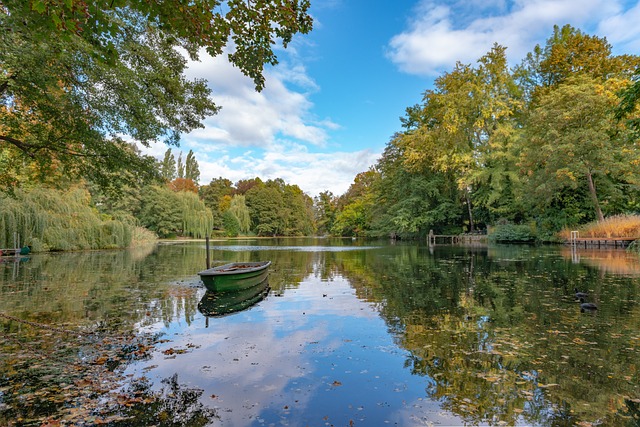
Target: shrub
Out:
[511,233]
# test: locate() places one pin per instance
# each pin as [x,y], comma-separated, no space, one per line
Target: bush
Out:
[511,233]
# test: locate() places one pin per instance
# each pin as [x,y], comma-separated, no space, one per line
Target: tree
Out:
[629,106]
[325,207]
[192,171]
[240,212]
[459,117]
[569,52]
[355,206]
[168,166]
[180,166]
[265,205]
[183,184]
[76,75]
[215,196]
[573,138]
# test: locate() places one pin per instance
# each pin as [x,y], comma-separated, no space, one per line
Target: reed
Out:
[617,226]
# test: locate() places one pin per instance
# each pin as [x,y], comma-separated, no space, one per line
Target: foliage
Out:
[52,220]
[410,203]
[168,166]
[183,184]
[279,209]
[231,224]
[540,144]
[215,196]
[356,205]
[197,220]
[76,75]
[325,207]
[611,227]
[170,213]
[240,212]
[572,136]
[629,106]
[512,233]
[191,169]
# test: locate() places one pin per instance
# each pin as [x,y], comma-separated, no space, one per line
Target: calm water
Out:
[349,333]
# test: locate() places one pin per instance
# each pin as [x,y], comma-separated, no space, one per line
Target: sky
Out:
[336,97]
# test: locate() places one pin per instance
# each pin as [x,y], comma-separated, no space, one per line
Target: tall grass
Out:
[618,226]
[53,220]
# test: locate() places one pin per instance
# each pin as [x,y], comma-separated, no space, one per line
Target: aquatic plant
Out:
[614,226]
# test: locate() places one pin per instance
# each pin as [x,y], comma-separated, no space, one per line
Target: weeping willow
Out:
[197,219]
[52,220]
[239,210]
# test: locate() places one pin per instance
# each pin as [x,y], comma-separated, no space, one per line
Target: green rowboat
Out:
[235,276]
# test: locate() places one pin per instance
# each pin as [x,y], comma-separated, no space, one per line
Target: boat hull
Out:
[235,276]
[216,304]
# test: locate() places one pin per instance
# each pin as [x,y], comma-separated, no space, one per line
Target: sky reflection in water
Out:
[314,355]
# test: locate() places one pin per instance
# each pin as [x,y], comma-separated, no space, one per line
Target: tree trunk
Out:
[471,225]
[594,196]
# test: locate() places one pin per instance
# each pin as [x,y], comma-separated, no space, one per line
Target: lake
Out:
[348,333]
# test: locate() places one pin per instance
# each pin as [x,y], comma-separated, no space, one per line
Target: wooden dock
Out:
[589,242]
[456,239]
[9,252]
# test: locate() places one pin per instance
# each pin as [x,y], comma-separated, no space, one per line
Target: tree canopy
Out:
[77,78]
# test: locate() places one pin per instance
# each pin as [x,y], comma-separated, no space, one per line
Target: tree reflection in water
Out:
[173,405]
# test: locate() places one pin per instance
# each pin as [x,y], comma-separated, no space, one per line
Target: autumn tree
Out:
[452,131]
[75,76]
[183,184]
[572,138]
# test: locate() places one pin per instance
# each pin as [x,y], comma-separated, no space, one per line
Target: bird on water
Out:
[587,306]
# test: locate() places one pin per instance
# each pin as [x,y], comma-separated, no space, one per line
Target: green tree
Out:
[161,211]
[409,203]
[325,208]
[459,117]
[180,166]
[76,75]
[266,205]
[192,171]
[355,206]
[629,106]
[573,139]
[239,210]
[215,196]
[168,166]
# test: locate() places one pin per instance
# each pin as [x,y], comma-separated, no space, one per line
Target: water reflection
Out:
[361,332]
[213,304]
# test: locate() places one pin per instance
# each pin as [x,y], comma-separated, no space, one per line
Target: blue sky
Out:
[334,101]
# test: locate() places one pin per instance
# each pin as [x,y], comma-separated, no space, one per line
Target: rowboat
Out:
[235,276]
[215,304]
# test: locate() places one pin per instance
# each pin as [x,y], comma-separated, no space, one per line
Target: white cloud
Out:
[622,30]
[266,134]
[312,172]
[249,118]
[442,33]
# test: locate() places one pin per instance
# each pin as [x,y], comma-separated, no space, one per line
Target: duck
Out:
[580,294]
[587,306]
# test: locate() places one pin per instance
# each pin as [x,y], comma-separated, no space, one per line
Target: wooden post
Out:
[208,258]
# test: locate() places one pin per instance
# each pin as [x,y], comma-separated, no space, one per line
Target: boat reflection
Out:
[216,304]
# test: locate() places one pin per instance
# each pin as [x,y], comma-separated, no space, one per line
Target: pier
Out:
[456,239]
